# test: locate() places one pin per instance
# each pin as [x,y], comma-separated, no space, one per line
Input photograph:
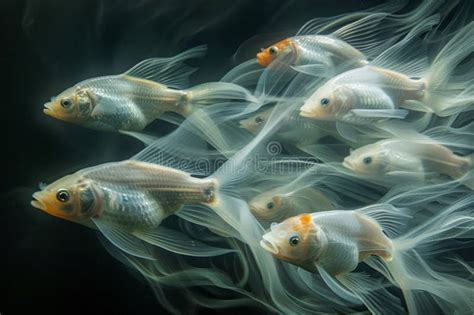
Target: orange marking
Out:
[305,219]
[264,58]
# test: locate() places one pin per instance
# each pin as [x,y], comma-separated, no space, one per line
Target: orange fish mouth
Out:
[262,59]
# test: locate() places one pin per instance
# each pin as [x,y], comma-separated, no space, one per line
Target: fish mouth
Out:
[268,245]
[347,164]
[47,110]
[305,113]
[37,203]
[262,59]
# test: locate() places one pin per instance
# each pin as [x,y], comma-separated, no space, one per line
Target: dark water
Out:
[58,267]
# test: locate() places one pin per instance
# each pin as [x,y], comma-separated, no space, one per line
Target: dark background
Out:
[54,266]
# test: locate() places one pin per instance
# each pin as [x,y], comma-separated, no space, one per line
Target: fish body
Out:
[118,102]
[293,128]
[334,240]
[128,102]
[131,195]
[327,51]
[371,90]
[373,93]
[407,159]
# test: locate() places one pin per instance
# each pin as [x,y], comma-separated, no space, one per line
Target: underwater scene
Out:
[258,157]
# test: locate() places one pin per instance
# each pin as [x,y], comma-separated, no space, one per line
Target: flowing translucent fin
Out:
[450,85]
[204,216]
[380,113]
[171,71]
[123,240]
[143,137]
[429,285]
[245,74]
[337,287]
[325,25]
[209,93]
[388,216]
[179,243]
[373,293]
[409,56]
[377,32]
[185,149]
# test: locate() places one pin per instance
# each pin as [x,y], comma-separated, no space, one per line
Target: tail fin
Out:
[430,285]
[172,71]
[450,81]
[214,92]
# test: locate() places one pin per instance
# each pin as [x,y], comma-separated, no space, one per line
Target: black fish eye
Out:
[367,160]
[294,240]
[324,101]
[66,102]
[270,205]
[258,120]
[273,50]
[62,195]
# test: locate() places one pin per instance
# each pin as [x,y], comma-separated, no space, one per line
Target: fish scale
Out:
[327,50]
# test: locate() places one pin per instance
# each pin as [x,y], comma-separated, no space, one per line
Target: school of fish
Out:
[331,173]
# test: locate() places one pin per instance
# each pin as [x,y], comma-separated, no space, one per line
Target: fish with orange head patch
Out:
[325,53]
[334,240]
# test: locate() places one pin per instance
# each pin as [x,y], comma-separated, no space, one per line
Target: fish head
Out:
[372,159]
[71,198]
[268,206]
[296,240]
[267,55]
[74,105]
[255,123]
[329,102]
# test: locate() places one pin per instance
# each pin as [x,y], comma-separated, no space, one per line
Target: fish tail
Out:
[450,81]
[432,283]
[215,92]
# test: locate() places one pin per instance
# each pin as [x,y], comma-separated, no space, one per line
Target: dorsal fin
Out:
[327,25]
[184,149]
[408,56]
[170,71]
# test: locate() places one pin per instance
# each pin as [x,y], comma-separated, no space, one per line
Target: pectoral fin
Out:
[146,139]
[123,240]
[380,113]
[179,243]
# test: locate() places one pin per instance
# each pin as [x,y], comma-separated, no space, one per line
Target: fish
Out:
[404,160]
[333,243]
[373,93]
[355,39]
[128,102]
[277,204]
[127,201]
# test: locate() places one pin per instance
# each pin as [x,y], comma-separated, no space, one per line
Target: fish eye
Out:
[62,195]
[270,205]
[258,120]
[66,102]
[367,160]
[294,240]
[324,102]
[273,50]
